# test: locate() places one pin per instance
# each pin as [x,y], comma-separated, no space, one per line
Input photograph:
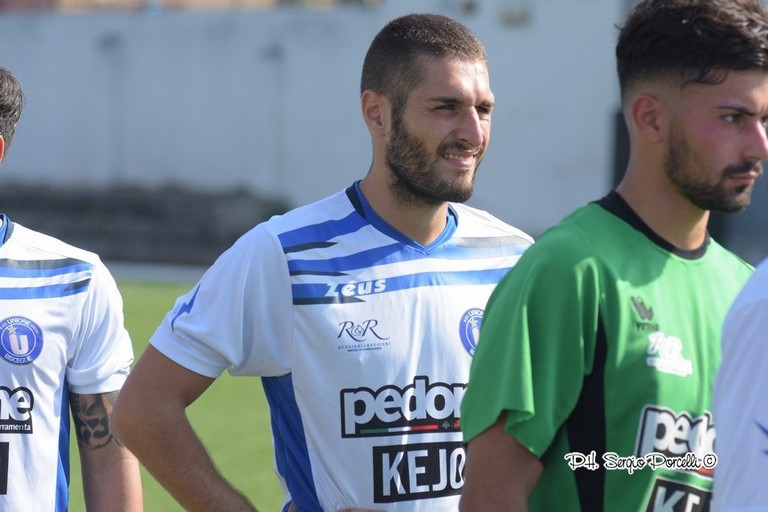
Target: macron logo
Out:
[185,307]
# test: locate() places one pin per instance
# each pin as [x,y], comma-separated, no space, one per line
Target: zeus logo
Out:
[355,289]
[16,410]
[419,408]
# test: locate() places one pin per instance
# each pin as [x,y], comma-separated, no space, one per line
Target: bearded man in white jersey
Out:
[359,312]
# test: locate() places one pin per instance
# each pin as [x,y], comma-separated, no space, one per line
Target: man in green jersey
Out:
[591,386]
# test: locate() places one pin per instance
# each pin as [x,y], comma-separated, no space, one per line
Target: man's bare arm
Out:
[150,418]
[111,477]
[500,474]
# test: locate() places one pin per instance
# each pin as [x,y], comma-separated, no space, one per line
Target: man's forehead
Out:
[743,89]
[454,78]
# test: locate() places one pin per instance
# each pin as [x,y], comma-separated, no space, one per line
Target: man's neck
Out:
[422,224]
[669,214]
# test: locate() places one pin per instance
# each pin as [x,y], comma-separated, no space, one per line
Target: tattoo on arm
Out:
[91,417]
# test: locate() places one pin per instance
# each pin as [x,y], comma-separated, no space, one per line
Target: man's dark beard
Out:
[707,196]
[416,180]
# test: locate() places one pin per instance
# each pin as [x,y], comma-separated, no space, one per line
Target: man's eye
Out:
[732,118]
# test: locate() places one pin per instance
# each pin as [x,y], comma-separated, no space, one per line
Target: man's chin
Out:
[460,195]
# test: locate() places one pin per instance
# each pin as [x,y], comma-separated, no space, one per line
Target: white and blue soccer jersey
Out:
[61,329]
[363,340]
[740,405]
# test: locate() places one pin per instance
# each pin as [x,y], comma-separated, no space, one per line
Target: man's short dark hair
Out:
[11,101]
[393,65]
[694,41]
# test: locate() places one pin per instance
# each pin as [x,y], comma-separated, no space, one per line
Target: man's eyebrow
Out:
[444,99]
[451,100]
[737,108]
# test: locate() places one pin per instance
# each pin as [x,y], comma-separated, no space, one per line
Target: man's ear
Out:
[376,111]
[2,148]
[649,117]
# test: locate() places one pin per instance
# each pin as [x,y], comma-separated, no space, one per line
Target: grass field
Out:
[231,418]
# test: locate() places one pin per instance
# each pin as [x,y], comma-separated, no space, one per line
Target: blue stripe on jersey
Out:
[478,248]
[62,474]
[42,268]
[400,249]
[305,237]
[45,292]
[3,228]
[291,454]
[320,293]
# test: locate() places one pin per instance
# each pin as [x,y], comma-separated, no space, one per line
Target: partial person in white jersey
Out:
[741,404]
[63,346]
[360,312]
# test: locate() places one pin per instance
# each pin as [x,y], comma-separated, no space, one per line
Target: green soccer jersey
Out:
[601,346]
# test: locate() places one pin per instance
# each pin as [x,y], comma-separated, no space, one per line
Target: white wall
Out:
[269,100]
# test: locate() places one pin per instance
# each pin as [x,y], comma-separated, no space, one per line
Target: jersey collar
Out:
[362,207]
[615,204]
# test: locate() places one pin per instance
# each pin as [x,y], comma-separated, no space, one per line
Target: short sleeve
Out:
[102,354]
[238,316]
[536,345]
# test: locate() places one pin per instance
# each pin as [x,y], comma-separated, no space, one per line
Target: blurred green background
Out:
[231,417]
